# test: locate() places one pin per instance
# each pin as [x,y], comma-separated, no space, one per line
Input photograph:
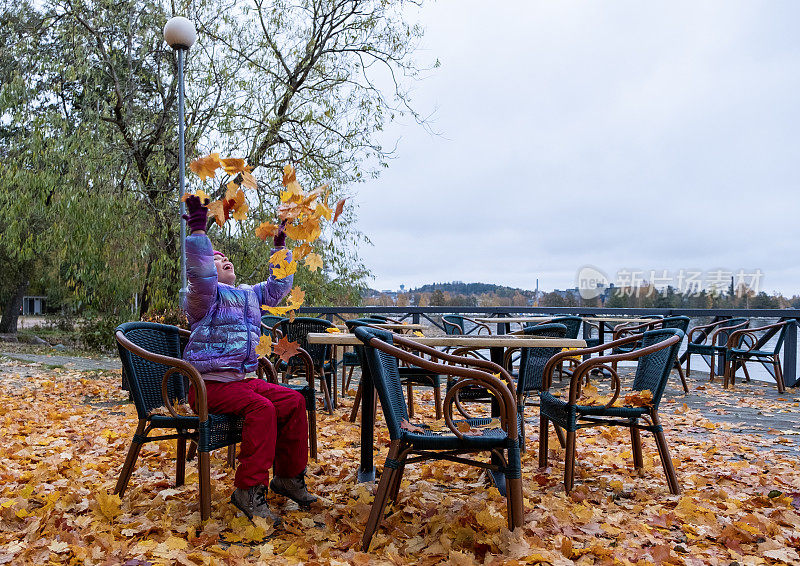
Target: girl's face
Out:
[225,272]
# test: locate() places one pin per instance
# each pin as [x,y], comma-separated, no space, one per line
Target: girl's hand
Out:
[197,216]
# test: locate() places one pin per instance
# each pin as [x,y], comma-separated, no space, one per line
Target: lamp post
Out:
[180,34]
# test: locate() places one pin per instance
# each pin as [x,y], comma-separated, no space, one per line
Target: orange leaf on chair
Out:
[285,350]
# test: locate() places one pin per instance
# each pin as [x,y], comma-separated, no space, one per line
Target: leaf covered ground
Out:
[66,434]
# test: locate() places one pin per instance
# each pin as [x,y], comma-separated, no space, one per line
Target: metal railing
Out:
[433,315]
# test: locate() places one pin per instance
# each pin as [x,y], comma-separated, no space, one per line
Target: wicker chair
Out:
[705,339]
[745,345]
[410,376]
[151,360]
[655,357]
[297,330]
[414,443]
[454,324]
[627,329]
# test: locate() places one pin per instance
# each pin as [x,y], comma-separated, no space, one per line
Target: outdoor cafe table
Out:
[504,322]
[393,326]
[495,344]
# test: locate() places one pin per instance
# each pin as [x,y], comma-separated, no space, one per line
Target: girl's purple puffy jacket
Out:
[225,320]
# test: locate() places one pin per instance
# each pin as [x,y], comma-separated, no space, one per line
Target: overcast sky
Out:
[622,135]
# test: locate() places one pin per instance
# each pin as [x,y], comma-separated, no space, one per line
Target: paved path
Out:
[75,363]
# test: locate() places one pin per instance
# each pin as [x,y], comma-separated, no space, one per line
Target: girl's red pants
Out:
[275,428]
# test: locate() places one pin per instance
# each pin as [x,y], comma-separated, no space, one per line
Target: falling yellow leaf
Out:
[232,165]
[205,167]
[297,296]
[313,261]
[266,230]
[264,347]
[281,272]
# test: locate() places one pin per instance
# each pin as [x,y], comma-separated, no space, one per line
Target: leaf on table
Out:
[418,333]
[285,350]
[205,167]
[333,330]
[339,209]
[264,347]
[407,426]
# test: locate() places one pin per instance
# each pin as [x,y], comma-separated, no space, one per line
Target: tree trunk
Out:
[8,324]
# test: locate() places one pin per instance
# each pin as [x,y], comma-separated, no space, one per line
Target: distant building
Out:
[33,305]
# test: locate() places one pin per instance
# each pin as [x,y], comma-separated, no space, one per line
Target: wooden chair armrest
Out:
[479,326]
[175,365]
[712,338]
[508,357]
[621,330]
[702,328]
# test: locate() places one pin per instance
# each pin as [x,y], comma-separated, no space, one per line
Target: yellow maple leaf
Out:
[297,296]
[266,230]
[232,165]
[313,261]
[286,196]
[282,272]
[418,333]
[109,505]
[248,180]
[280,258]
[201,194]
[333,330]
[301,251]
[205,167]
[175,543]
[217,210]
[264,347]
[232,188]
[294,188]
[277,311]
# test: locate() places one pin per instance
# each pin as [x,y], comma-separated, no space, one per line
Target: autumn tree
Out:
[312,83]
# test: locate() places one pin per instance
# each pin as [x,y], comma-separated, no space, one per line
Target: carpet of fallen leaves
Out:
[65,435]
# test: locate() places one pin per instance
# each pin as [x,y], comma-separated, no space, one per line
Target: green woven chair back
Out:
[533,360]
[453,324]
[386,377]
[298,330]
[573,324]
[652,370]
[144,376]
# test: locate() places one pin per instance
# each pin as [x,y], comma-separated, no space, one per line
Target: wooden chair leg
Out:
[378,505]
[130,460]
[544,425]
[666,461]
[192,452]
[636,448]
[560,435]
[437,398]
[232,456]
[394,489]
[410,395]
[356,404]
[516,509]
[746,373]
[779,375]
[688,364]
[569,461]
[326,393]
[312,431]
[204,469]
[683,378]
[180,462]
[711,369]
[727,375]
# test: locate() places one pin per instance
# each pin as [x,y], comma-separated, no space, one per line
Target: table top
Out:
[524,319]
[393,326]
[498,341]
